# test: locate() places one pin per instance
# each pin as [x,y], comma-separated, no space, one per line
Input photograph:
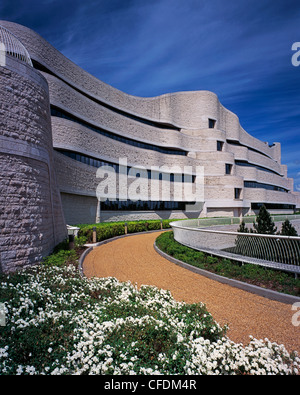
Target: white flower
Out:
[180,338]
[30,370]
[20,370]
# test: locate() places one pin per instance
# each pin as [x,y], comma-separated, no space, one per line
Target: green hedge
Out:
[248,273]
[107,230]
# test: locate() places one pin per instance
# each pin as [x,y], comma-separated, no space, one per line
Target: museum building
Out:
[59,125]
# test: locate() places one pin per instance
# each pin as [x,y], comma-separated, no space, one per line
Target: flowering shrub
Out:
[59,323]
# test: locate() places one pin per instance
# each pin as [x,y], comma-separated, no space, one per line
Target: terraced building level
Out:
[59,124]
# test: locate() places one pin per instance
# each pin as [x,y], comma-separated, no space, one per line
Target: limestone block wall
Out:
[71,136]
[263,195]
[88,110]
[31,219]
[297,196]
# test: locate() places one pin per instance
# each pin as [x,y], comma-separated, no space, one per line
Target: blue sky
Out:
[239,49]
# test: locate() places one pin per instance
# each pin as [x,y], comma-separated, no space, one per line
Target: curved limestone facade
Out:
[186,136]
[31,221]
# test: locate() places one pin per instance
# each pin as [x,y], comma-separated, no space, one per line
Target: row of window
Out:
[170,151]
[234,142]
[254,184]
[55,112]
[220,147]
[272,206]
[129,205]
[247,164]
[228,167]
[90,161]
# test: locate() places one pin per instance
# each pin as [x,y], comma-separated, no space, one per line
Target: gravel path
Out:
[133,258]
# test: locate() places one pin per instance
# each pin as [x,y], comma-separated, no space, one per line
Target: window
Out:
[211,123]
[129,205]
[237,193]
[254,184]
[220,145]
[187,178]
[228,168]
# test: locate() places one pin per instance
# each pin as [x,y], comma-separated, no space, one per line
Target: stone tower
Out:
[31,217]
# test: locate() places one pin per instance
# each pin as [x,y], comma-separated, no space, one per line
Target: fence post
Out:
[94,235]
[71,242]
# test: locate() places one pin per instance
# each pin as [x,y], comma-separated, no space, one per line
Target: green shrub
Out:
[60,258]
[243,228]
[288,229]
[107,230]
[211,260]
[80,241]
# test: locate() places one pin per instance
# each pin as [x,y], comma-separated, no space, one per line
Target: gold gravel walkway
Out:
[133,258]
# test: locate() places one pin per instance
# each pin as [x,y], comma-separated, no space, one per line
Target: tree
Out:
[288,229]
[264,223]
[243,228]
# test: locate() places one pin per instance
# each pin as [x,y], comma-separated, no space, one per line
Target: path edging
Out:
[266,293]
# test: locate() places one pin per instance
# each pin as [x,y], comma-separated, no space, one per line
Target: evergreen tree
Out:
[243,228]
[288,229]
[264,223]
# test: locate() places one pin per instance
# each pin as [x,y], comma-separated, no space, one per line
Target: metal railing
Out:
[13,46]
[280,252]
[204,222]
[281,249]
